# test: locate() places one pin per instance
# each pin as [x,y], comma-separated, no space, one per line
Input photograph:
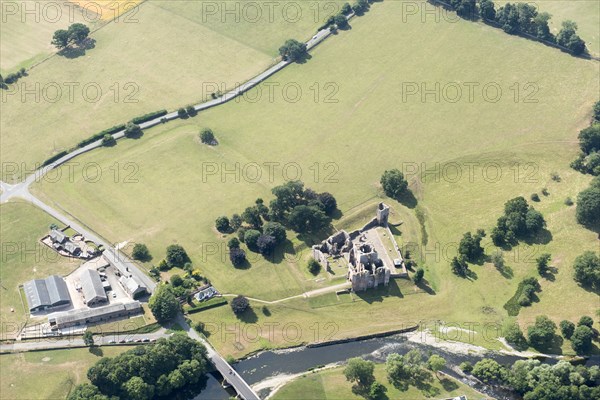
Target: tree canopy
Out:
[163,304]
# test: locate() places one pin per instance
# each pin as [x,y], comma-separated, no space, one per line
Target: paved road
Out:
[230,375]
[69,342]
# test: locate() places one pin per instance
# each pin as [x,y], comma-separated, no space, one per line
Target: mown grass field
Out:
[48,374]
[24,258]
[26,36]
[331,384]
[503,146]
[586,13]
[163,54]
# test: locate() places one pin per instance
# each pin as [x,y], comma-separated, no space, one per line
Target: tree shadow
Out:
[266,312]
[244,265]
[248,316]
[426,287]
[471,275]
[377,295]
[542,237]
[506,271]
[304,58]
[96,350]
[550,274]
[79,50]
[448,384]
[336,214]
[407,199]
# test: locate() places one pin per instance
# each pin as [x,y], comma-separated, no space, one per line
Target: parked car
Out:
[122,341]
[145,340]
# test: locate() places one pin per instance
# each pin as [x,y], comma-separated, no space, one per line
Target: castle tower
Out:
[383,212]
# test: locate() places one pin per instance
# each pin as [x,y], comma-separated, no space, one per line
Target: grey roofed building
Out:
[72,248]
[91,285]
[89,316]
[132,286]
[46,293]
[57,236]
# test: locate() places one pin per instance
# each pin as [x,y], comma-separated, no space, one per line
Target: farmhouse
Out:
[368,251]
[132,286]
[93,315]
[92,288]
[46,293]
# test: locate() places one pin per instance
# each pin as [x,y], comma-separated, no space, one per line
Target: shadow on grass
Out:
[408,199]
[96,350]
[448,385]
[543,237]
[377,295]
[75,52]
[426,287]
[248,316]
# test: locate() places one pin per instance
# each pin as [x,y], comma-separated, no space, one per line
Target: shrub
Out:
[313,266]
[293,50]
[176,256]
[132,130]
[239,304]
[222,224]
[488,371]
[181,113]
[108,140]
[237,256]
[393,183]
[149,117]
[567,328]
[55,157]
[233,243]
[191,111]
[176,280]
[251,238]
[207,136]
[535,197]
[418,276]
[140,252]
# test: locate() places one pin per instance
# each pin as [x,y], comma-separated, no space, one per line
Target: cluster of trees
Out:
[542,335]
[263,228]
[185,112]
[521,18]
[393,183]
[360,372]
[164,304]
[165,370]
[208,137]
[519,220]
[536,381]
[340,20]
[528,288]
[132,130]
[12,78]
[140,252]
[469,250]
[588,161]
[313,266]
[410,369]
[587,270]
[293,50]
[588,204]
[76,34]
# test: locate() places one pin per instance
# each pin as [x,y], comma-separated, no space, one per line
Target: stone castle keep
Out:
[370,264]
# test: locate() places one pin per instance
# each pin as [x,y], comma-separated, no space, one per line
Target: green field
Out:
[331,384]
[170,55]
[586,13]
[26,37]
[48,374]
[373,126]
[24,258]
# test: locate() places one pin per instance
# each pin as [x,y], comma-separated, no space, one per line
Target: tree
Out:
[293,50]
[86,391]
[589,138]
[466,367]
[163,304]
[251,239]
[88,338]
[418,276]
[588,206]
[276,230]
[235,222]
[108,140]
[581,341]
[489,371]
[237,256]
[132,130]
[78,33]
[393,183]
[569,39]
[137,389]
[266,244]
[329,202]
[60,39]
[567,328]
[233,243]
[534,221]
[176,280]
[470,246]
[587,269]
[176,256]
[596,114]
[514,336]
[346,9]
[251,216]
[340,20]
[360,371]
[313,266]
[207,136]
[239,304]
[181,113]
[586,321]
[140,252]
[487,10]
[542,333]
[376,391]
[307,219]
[542,263]
[436,363]
[222,224]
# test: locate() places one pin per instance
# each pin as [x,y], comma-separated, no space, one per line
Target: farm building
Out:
[132,286]
[91,285]
[46,293]
[94,315]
